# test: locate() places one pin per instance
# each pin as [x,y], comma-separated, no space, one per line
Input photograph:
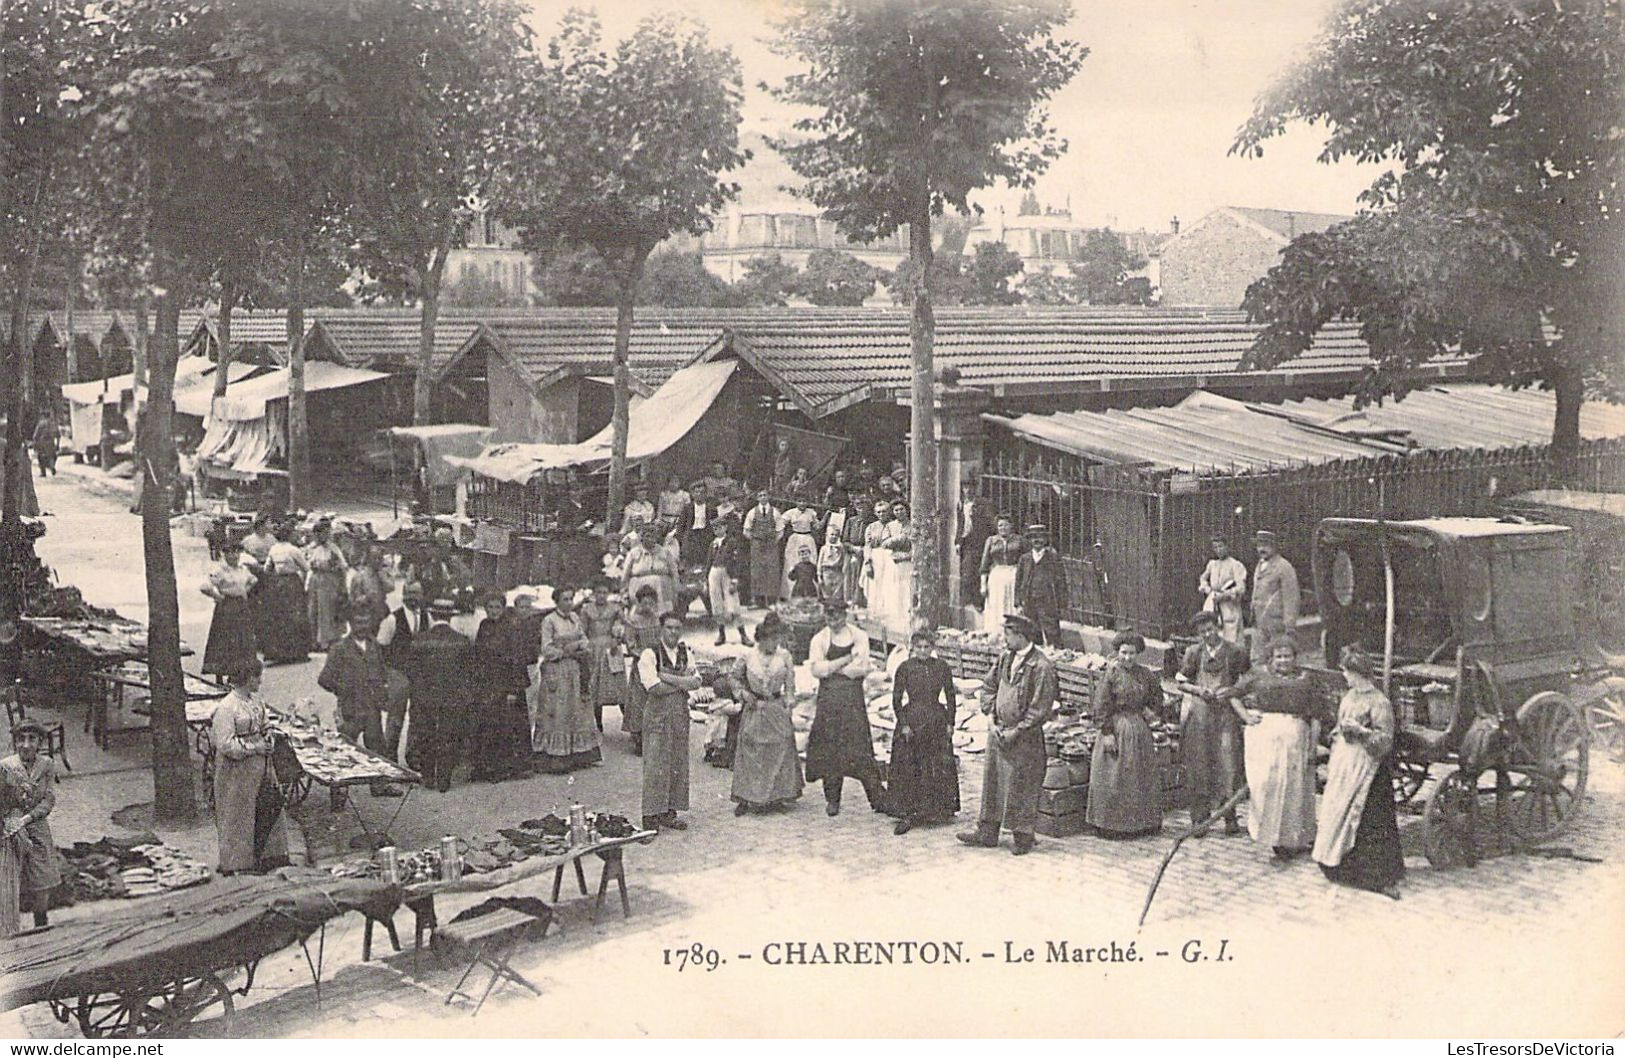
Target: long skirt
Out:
[665,754]
[765,568]
[1123,793]
[766,771]
[236,797]
[1210,747]
[11,867]
[923,782]
[840,743]
[232,641]
[566,735]
[901,606]
[1001,597]
[1281,781]
[326,594]
[284,630]
[606,679]
[852,588]
[724,598]
[1373,860]
[796,546]
[41,869]
[882,589]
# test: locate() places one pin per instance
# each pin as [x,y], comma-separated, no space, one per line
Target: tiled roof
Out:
[1207,432]
[661,343]
[1289,224]
[390,342]
[1026,352]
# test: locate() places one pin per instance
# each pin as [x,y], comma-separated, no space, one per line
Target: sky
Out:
[1149,117]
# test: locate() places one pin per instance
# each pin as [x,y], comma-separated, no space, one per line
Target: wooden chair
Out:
[56,736]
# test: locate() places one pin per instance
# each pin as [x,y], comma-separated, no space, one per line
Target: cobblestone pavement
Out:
[1520,945]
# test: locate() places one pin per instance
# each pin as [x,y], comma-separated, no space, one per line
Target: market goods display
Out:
[109,637]
[547,836]
[113,869]
[331,760]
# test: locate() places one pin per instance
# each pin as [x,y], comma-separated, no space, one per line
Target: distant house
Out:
[1049,240]
[1213,261]
[491,253]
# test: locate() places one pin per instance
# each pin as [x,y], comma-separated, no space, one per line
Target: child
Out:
[832,565]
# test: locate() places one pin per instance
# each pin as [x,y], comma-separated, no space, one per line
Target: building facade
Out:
[1214,260]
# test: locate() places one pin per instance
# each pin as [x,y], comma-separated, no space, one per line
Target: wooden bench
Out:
[490,938]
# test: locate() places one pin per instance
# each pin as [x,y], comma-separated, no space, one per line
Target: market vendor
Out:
[232,639]
[30,779]
[1124,800]
[248,818]
[565,737]
[763,524]
[841,744]
[667,676]
[1018,694]
[1040,588]
[1279,752]
[924,778]
[325,585]
[640,629]
[1275,597]
[284,623]
[1209,725]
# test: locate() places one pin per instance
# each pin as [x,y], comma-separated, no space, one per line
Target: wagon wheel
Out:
[1550,760]
[1409,776]
[1449,835]
[1608,723]
[295,792]
[107,1015]
[181,1001]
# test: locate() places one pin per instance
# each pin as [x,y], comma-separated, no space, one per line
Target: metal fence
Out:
[1134,542]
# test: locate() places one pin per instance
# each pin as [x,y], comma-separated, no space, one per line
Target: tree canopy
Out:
[1501,212]
[619,148]
[835,277]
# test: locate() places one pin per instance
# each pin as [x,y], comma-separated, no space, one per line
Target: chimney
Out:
[1174,224]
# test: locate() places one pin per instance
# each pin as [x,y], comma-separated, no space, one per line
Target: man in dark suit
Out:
[1041,585]
[441,671]
[1018,695]
[355,675]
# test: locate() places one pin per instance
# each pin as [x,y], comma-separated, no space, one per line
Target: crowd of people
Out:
[527,692]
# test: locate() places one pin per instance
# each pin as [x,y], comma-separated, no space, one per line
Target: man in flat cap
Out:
[1275,597]
[1041,586]
[1019,695]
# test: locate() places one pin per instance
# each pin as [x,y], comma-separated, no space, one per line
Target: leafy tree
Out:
[987,274]
[917,103]
[1503,209]
[1045,287]
[475,289]
[679,279]
[575,277]
[835,277]
[768,281]
[1029,205]
[1101,266]
[441,78]
[619,149]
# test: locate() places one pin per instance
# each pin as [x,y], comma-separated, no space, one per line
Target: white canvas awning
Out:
[187,369]
[653,426]
[247,400]
[441,443]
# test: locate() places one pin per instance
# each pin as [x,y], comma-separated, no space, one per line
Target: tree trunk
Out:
[171,745]
[1569,386]
[429,316]
[138,344]
[228,302]
[930,583]
[626,297]
[299,497]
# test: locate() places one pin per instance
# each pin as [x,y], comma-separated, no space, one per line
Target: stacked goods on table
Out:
[1069,742]
[971,654]
[114,868]
[802,619]
[547,836]
[330,759]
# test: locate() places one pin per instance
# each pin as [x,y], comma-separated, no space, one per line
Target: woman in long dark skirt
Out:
[924,781]
[1357,832]
[284,629]
[232,641]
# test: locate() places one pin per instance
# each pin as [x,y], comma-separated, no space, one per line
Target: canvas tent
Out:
[246,430]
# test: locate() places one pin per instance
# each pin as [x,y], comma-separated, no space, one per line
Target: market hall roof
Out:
[1208,433]
[825,364]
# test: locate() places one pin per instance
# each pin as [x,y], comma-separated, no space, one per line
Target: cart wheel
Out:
[1608,723]
[180,1002]
[1409,776]
[295,792]
[1550,760]
[1448,831]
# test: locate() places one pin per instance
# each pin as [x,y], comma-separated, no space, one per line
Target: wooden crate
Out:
[1065,801]
[1061,826]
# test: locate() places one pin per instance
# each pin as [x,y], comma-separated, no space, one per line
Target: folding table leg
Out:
[581,875]
[614,867]
[558,881]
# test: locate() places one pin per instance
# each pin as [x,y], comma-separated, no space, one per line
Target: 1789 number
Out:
[696,957]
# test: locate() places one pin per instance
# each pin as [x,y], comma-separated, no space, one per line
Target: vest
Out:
[663,660]
[400,647]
